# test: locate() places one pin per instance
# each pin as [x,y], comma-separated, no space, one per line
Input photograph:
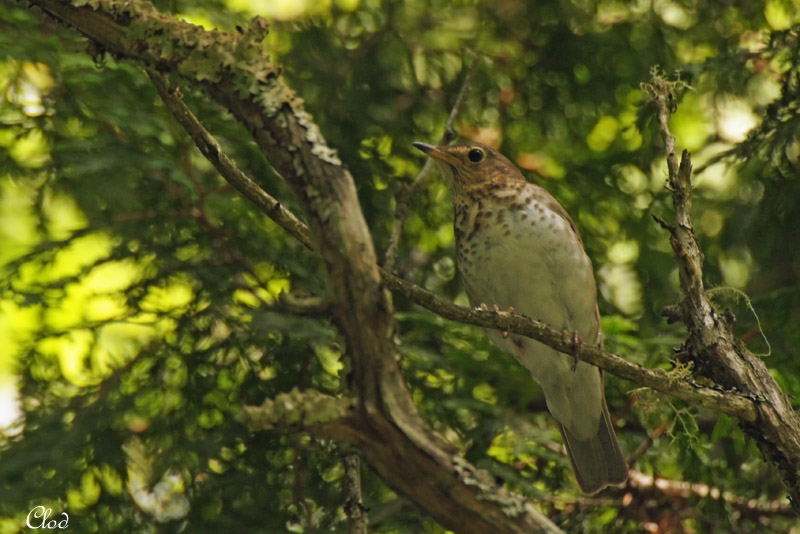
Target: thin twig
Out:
[210,148]
[663,94]
[406,194]
[728,402]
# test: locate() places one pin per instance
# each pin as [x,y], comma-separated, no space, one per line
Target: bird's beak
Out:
[436,153]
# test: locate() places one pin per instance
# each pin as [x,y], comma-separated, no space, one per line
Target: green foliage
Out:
[139,294]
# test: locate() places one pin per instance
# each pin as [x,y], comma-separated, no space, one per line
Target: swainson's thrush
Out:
[518,248]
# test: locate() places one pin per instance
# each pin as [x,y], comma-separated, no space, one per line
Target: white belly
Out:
[532,260]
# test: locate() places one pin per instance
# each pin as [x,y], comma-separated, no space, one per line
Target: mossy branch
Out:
[711,345]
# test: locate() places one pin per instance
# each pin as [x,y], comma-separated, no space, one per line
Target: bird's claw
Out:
[576,348]
[509,310]
[496,309]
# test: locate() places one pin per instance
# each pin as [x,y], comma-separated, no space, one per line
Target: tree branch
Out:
[227,168]
[309,410]
[711,345]
[669,490]
[354,507]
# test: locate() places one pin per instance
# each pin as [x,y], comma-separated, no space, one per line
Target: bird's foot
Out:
[509,310]
[576,347]
[496,310]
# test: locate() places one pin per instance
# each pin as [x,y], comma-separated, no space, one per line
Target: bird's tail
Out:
[598,461]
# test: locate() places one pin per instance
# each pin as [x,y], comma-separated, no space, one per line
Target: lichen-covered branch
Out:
[303,410]
[712,346]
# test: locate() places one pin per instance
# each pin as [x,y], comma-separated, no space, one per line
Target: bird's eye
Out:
[475,155]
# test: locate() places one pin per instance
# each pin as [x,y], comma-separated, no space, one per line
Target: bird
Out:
[518,249]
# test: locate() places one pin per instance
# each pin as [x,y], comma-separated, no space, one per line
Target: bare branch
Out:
[227,168]
[727,402]
[653,502]
[353,507]
[672,490]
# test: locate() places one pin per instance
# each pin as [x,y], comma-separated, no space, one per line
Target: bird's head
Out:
[471,165]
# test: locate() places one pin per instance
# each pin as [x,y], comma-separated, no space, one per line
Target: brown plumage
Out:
[517,247]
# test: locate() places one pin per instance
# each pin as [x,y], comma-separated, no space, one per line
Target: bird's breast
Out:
[515,251]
